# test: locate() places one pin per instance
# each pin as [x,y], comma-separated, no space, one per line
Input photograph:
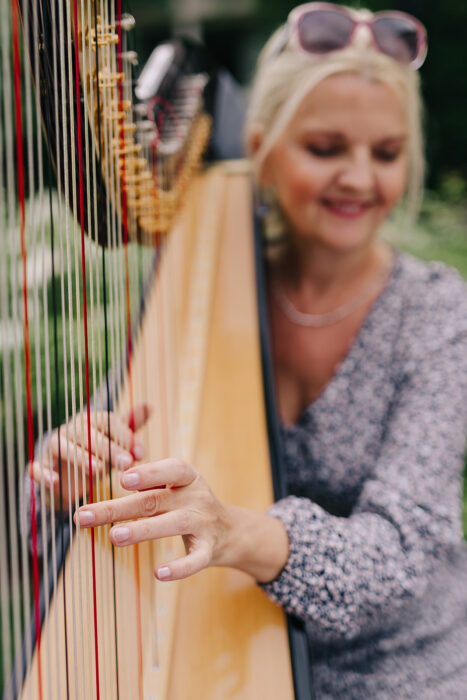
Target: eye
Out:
[324,151]
[386,155]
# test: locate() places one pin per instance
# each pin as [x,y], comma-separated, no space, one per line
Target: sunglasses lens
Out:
[397,37]
[322,31]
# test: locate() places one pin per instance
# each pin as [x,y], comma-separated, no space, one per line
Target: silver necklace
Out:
[299,318]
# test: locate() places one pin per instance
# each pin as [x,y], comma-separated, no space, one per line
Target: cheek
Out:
[303,181]
[394,184]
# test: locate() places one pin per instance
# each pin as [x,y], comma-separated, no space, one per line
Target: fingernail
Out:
[137,452]
[130,479]
[121,534]
[123,461]
[86,517]
[50,477]
[163,572]
[92,465]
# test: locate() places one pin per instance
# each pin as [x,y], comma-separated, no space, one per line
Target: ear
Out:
[255,141]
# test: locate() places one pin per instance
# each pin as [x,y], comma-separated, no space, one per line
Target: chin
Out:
[348,241]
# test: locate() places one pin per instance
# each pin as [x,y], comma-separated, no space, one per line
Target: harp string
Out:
[92,195]
[85,184]
[36,265]
[129,348]
[57,221]
[31,56]
[9,569]
[102,51]
[73,143]
[48,417]
[118,280]
[100,138]
[75,334]
[110,109]
[21,132]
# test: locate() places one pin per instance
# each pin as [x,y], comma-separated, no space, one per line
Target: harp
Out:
[125,275]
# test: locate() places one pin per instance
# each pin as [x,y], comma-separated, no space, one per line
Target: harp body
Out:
[214,635]
[101,625]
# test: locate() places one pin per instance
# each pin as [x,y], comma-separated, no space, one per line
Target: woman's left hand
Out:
[171,498]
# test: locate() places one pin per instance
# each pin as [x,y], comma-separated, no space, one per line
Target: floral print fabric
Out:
[377,565]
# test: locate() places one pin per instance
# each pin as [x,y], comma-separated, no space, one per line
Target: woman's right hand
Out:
[69,443]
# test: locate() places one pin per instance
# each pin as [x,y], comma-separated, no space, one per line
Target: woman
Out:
[370,359]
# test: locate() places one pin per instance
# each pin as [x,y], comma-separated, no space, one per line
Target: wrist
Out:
[257,543]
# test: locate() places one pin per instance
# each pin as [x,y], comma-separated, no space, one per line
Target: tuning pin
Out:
[127,22]
[140,109]
[130,57]
[148,137]
[145,125]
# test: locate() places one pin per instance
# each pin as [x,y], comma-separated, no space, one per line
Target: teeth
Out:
[348,208]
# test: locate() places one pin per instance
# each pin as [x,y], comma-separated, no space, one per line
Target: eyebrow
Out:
[391,139]
[338,136]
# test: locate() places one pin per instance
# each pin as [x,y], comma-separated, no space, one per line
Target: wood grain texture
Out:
[238,636]
[214,636]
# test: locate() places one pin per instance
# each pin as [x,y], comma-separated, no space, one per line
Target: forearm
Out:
[258,544]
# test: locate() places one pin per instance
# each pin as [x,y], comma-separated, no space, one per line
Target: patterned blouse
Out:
[377,565]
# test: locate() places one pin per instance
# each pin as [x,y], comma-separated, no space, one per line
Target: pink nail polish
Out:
[91,465]
[121,534]
[86,517]
[137,452]
[129,480]
[123,461]
[163,572]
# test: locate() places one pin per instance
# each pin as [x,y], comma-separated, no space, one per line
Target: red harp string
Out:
[27,346]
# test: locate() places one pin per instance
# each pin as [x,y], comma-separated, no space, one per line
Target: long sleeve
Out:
[350,577]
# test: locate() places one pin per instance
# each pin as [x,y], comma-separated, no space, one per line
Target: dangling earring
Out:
[274,223]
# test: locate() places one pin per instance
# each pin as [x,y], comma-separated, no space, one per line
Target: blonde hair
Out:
[283,81]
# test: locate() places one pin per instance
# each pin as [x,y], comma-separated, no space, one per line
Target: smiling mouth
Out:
[347,209]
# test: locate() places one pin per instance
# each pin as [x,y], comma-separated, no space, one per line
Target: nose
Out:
[357,172]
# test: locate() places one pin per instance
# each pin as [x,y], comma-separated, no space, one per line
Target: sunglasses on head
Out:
[320,28]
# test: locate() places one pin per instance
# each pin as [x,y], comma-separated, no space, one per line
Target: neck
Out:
[316,272]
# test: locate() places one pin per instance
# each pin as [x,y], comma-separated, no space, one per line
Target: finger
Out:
[113,426]
[63,450]
[63,491]
[100,445]
[43,474]
[138,505]
[165,472]
[176,522]
[185,566]
[137,416]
